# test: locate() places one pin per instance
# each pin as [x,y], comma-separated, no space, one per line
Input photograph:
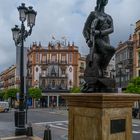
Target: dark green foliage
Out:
[11,93]
[35,93]
[1,94]
[75,90]
[134,86]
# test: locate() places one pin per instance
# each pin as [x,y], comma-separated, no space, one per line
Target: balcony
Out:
[63,76]
[43,62]
[63,62]
[43,75]
[29,75]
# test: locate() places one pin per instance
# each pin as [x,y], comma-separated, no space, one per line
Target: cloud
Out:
[62,18]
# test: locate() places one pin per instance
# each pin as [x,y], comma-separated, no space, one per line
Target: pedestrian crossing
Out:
[64,125]
[136,128]
[56,124]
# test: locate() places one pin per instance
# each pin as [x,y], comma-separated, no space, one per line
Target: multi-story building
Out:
[1,81]
[8,78]
[110,71]
[81,69]
[136,40]
[124,58]
[54,69]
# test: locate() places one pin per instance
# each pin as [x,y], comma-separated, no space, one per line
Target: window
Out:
[70,57]
[63,71]
[53,84]
[53,58]
[43,58]
[43,83]
[37,57]
[37,69]
[131,54]
[82,65]
[63,59]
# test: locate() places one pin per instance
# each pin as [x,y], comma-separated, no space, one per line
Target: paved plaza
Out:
[55,118]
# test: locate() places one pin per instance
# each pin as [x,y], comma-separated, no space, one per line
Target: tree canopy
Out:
[134,86]
[75,90]
[11,92]
[1,94]
[35,93]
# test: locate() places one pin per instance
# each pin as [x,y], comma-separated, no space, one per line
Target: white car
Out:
[4,106]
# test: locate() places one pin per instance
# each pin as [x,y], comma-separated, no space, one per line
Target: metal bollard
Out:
[29,131]
[47,133]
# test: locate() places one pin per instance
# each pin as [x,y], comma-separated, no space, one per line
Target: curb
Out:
[21,138]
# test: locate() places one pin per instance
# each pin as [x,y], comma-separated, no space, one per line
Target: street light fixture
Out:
[113,73]
[19,36]
[127,70]
[120,75]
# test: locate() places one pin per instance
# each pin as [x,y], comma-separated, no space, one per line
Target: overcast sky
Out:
[62,18]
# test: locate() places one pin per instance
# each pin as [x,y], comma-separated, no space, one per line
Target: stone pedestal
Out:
[100,116]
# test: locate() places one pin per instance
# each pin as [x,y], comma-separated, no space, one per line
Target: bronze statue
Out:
[96,31]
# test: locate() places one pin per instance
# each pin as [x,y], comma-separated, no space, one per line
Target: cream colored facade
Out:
[81,68]
[8,78]
[136,39]
[54,67]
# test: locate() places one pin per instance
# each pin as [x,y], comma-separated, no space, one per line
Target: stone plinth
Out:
[100,116]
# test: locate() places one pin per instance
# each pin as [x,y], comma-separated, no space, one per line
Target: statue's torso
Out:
[104,21]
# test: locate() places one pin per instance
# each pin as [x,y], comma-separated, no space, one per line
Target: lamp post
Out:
[120,76]
[19,36]
[127,70]
[112,73]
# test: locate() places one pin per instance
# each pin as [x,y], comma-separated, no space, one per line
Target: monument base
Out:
[100,116]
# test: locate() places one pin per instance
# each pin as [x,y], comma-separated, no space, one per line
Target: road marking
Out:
[55,124]
[136,132]
[51,122]
[135,125]
[58,127]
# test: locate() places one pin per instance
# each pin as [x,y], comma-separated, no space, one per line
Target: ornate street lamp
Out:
[127,70]
[19,35]
[120,74]
[113,73]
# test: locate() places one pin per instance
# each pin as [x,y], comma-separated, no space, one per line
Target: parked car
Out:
[4,106]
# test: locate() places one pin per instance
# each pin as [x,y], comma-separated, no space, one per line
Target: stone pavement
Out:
[7,129]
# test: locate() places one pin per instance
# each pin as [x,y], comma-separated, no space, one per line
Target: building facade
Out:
[110,71]
[55,69]
[136,40]
[8,78]
[81,69]
[124,57]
